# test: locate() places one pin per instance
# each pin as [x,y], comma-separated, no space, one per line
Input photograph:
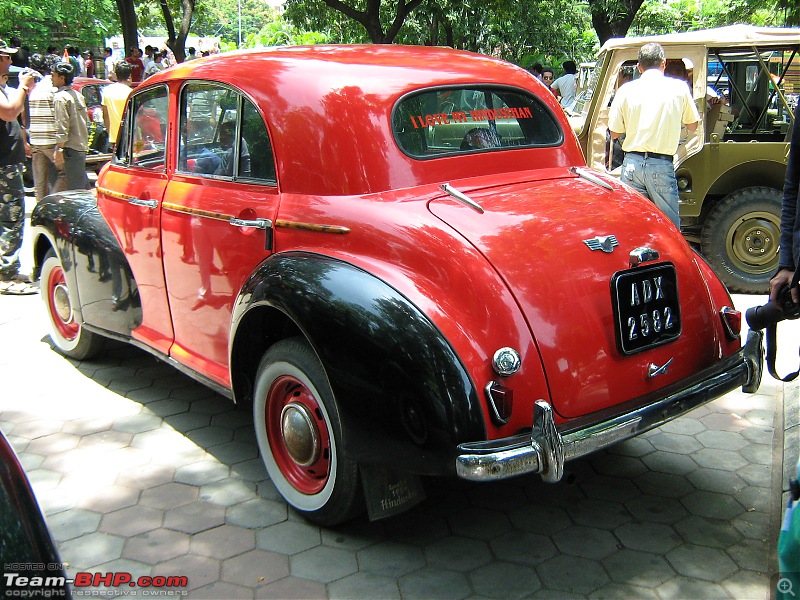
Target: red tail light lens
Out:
[501,402]
[732,320]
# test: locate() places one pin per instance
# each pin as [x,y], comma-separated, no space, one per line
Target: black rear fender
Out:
[405,397]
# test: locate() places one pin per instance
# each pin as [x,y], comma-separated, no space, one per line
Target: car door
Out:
[217,219]
[129,197]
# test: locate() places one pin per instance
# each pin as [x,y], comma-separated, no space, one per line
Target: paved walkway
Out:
[141,470]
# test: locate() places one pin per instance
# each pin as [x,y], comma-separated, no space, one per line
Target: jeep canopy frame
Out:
[731,168]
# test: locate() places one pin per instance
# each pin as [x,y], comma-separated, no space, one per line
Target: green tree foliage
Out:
[281,33]
[220,18]
[40,23]
[525,31]
[687,15]
[791,12]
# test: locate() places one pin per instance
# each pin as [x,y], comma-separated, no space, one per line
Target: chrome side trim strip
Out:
[318,227]
[197,212]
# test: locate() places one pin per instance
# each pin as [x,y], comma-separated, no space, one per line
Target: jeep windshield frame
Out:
[769,60]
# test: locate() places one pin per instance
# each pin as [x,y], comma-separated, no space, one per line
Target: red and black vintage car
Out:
[397,256]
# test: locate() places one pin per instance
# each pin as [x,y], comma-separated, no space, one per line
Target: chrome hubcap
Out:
[300,435]
[61,303]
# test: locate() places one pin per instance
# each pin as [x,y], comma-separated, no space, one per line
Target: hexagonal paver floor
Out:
[140,469]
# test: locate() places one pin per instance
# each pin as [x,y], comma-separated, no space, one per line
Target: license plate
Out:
[646,308]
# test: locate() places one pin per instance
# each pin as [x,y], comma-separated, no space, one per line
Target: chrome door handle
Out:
[147,203]
[257,223]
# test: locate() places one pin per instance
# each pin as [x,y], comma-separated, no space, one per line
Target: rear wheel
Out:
[741,237]
[67,333]
[299,434]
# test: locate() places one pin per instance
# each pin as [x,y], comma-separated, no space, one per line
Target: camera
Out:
[32,72]
[760,317]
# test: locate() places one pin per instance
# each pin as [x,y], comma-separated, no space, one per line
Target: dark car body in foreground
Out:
[397,256]
[31,567]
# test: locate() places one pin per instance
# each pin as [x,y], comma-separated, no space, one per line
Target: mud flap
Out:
[389,493]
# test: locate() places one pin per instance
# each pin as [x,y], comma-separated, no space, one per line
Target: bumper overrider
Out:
[545,449]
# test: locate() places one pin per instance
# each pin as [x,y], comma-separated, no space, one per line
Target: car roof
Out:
[338,100]
[730,36]
[82,81]
[378,68]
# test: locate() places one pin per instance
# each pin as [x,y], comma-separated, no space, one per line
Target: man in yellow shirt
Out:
[650,111]
[114,98]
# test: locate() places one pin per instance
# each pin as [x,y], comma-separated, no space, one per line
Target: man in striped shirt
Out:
[42,129]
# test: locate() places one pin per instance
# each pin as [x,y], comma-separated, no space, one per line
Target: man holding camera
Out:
[790,221]
[12,191]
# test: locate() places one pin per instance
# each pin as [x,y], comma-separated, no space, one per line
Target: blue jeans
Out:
[654,178]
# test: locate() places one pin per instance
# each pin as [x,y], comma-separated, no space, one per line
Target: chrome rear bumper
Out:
[545,449]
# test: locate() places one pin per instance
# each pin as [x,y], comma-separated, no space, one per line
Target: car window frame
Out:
[123,154]
[242,100]
[491,88]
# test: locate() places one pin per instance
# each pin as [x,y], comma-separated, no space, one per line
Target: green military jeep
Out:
[730,171]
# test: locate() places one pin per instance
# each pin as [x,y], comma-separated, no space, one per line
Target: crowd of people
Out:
[85,64]
[564,87]
[46,120]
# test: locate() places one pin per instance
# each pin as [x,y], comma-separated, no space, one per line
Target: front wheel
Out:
[66,331]
[741,238]
[299,435]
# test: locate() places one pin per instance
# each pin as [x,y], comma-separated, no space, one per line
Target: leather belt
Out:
[651,155]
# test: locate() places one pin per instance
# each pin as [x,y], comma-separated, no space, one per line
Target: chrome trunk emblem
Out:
[642,255]
[653,370]
[606,243]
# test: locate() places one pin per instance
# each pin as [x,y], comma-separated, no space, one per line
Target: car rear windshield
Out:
[464,120]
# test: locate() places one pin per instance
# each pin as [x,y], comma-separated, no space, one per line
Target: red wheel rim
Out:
[60,306]
[298,435]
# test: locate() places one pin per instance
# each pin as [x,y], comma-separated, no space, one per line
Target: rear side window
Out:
[91,93]
[143,132]
[475,119]
[223,135]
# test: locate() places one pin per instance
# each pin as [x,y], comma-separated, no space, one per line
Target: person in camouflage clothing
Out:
[12,191]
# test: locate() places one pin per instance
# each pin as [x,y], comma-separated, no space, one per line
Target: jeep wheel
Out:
[741,236]
[299,434]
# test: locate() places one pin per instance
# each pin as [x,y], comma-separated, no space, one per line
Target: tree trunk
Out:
[370,18]
[130,26]
[613,19]
[177,41]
